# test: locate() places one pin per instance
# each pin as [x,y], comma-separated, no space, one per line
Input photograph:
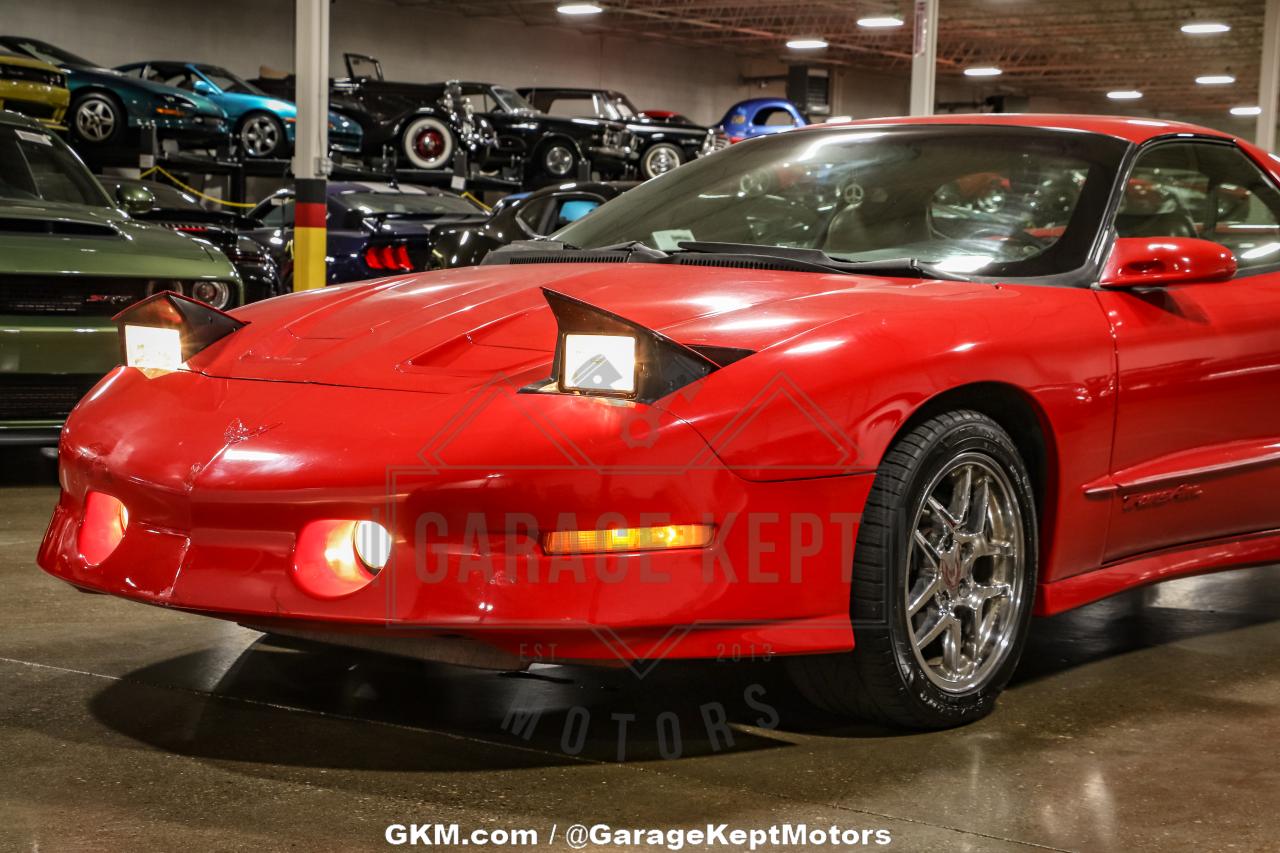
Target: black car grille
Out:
[33,75]
[77,297]
[41,397]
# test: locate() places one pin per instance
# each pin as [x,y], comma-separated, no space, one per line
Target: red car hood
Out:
[451,331]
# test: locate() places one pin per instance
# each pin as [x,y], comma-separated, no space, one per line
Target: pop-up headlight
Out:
[161,332]
[601,354]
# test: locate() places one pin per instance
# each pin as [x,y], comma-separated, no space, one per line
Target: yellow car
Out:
[36,89]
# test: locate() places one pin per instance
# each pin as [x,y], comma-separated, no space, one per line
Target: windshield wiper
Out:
[634,251]
[818,260]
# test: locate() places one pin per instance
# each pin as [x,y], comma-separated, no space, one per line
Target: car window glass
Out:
[35,166]
[279,215]
[571,210]
[774,117]
[583,106]
[533,213]
[1206,190]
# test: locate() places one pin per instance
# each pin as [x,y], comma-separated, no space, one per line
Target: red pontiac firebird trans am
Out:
[863,396]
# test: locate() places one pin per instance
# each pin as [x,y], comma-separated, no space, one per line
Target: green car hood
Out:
[50,238]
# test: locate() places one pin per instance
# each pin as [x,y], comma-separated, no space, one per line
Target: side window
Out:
[580,106]
[571,210]
[533,214]
[279,215]
[774,117]
[1206,190]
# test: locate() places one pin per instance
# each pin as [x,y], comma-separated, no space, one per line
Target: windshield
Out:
[228,82]
[409,204]
[47,52]
[618,107]
[1006,201]
[34,166]
[511,100]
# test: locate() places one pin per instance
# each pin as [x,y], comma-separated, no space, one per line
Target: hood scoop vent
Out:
[55,227]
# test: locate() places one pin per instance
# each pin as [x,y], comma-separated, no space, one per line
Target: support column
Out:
[924,57]
[1269,81]
[311,143]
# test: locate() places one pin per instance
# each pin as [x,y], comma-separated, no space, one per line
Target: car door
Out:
[1197,439]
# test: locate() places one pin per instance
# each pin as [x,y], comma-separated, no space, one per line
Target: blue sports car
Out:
[760,116]
[264,125]
[374,229]
[107,108]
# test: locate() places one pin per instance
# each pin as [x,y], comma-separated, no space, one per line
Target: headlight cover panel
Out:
[662,365]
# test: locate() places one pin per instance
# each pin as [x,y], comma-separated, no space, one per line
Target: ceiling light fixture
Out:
[1246,111]
[1124,95]
[983,71]
[1203,28]
[1215,79]
[579,9]
[880,22]
[806,44]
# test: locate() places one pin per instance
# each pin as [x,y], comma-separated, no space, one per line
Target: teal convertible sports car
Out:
[108,108]
[263,125]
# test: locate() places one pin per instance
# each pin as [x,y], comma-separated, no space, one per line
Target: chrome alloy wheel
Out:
[260,136]
[95,119]
[964,589]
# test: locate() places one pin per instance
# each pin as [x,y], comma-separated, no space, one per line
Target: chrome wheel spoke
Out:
[932,586]
[963,581]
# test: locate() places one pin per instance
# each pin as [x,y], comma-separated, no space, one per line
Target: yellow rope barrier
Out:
[195,191]
[467,194]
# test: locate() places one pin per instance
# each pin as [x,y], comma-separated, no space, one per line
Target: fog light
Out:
[666,537]
[105,520]
[373,544]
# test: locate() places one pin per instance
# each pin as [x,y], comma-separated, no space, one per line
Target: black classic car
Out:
[176,210]
[662,144]
[424,126]
[522,216]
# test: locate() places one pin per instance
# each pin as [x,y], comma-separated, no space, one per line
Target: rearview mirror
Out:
[1160,261]
[135,200]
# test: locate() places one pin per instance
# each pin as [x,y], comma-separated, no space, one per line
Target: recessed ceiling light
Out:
[1124,95]
[1215,79]
[880,22]
[1246,111]
[579,9]
[806,44]
[983,71]
[1202,28]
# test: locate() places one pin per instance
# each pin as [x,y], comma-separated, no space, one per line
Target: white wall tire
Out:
[427,143]
[660,159]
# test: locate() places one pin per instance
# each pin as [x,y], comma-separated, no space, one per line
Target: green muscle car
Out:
[70,259]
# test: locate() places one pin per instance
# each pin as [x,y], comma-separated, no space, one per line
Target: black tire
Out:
[261,135]
[883,678]
[556,160]
[97,119]
[659,159]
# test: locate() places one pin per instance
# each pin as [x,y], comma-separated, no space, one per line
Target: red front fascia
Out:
[216,499]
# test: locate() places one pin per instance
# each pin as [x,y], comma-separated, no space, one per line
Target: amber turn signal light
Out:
[666,537]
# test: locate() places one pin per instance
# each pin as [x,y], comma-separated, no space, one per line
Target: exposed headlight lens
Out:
[599,363]
[373,544]
[152,348]
[667,537]
[215,293]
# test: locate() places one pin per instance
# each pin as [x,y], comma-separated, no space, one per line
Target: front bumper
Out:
[215,517]
[46,365]
[46,104]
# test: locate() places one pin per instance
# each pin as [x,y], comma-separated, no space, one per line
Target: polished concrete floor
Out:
[1147,722]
